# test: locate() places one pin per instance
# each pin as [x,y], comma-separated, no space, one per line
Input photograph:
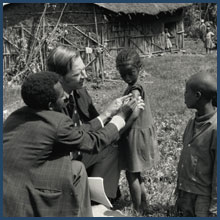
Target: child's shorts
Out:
[193,205]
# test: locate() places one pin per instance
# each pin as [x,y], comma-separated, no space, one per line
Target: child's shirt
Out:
[209,35]
[167,36]
[197,169]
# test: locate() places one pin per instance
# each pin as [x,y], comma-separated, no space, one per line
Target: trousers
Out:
[105,165]
[81,189]
[193,205]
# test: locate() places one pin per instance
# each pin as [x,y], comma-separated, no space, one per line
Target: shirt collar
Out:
[68,95]
[208,117]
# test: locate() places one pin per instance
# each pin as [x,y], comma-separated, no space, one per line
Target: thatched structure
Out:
[141,25]
[143,8]
[115,25]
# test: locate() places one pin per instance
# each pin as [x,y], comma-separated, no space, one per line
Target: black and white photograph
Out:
[109,109]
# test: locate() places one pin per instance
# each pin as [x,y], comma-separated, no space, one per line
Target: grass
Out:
[165,80]
[165,84]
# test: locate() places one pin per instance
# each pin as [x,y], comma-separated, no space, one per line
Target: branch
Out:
[15,46]
[32,52]
[58,22]
[36,50]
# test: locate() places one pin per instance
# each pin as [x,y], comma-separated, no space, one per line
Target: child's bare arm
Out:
[135,113]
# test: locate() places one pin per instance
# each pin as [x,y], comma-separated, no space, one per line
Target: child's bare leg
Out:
[135,189]
[144,202]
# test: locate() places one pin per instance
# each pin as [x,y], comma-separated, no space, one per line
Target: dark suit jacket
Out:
[85,107]
[37,179]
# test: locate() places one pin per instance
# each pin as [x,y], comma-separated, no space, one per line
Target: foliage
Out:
[198,11]
[31,50]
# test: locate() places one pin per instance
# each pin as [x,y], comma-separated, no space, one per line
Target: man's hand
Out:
[128,107]
[113,108]
[126,102]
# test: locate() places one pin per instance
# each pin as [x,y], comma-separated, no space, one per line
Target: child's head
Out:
[208,28]
[128,63]
[201,88]
[166,30]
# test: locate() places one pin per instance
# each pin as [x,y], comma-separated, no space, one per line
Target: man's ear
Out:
[50,106]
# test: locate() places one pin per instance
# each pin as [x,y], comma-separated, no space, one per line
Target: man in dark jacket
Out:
[39,177]
[66,62]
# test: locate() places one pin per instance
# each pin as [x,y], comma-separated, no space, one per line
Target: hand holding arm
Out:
[113,108]
[129,108]
[136,112]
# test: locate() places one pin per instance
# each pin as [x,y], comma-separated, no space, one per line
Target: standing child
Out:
[137,146]
[197,169]
[208,40]
[168,44]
